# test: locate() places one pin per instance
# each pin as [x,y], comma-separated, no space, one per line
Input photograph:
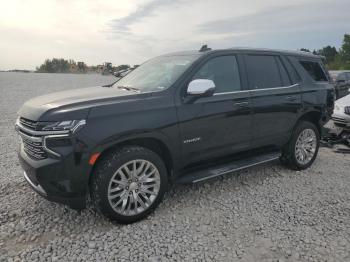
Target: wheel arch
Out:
[315,117]
[152,143]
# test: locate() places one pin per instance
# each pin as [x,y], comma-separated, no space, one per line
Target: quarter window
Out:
[295,77]
[314,70]
[284,74]
[223,71]
[263,72]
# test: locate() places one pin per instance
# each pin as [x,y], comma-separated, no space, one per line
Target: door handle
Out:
[242,104]
[291,98]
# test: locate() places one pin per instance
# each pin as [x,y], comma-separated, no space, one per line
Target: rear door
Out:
[276,99]
[221,124]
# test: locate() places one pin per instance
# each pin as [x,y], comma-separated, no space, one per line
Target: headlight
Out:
[69,125]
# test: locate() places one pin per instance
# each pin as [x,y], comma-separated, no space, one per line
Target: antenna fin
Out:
[204,48]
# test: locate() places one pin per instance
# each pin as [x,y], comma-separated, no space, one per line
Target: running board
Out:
[204,174]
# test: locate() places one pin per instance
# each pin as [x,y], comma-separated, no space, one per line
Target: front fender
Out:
[137,134]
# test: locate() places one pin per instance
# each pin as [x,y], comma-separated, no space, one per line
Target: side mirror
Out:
[201,88]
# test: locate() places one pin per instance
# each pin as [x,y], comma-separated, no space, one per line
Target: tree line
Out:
[60,65]
[335,59]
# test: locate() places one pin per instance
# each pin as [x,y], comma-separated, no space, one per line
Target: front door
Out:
[220,124]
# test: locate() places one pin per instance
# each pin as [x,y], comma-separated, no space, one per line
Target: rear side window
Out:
[223,71]
[263,72]
[348,76]
[314,70]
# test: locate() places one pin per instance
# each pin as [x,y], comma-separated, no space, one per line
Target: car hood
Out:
[344,101]
[76,101]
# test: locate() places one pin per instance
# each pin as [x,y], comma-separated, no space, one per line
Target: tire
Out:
[126,196]
[298,155]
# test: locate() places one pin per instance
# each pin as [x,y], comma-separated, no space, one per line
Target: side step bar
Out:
[204,174]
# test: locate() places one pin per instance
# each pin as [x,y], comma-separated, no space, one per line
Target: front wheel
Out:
[302,149]
[129,183]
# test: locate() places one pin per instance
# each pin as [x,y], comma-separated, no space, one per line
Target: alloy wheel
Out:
[305,146]
[134,187]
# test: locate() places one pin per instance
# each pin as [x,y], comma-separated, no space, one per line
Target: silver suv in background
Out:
[341,80]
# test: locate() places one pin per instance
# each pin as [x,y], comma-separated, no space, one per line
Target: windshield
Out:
[157,74]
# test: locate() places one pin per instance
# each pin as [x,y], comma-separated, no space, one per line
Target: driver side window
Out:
[223,71]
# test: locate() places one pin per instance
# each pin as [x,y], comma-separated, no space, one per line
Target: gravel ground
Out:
[267,213]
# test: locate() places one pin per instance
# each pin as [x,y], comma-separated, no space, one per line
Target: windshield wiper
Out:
[130,88]
[110,85]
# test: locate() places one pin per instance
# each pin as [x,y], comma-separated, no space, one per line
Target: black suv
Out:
[178,118]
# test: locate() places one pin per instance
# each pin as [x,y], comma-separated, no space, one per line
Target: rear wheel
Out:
[302,149]
[129,183]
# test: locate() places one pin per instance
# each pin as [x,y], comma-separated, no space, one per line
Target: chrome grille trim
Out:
[33,146]
[48,149]
[28,123]
[32,138]
[38,133]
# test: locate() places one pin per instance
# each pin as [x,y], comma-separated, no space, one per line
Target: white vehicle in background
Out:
[341,113]
[337,130]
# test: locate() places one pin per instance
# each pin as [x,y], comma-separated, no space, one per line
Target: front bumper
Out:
[36,187]
[58,180]
[55,165]
[341,119]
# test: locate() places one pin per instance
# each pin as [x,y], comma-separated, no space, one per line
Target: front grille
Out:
[28,123]
[347,110]
[33,148]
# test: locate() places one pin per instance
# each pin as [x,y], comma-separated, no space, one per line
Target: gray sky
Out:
[134,30]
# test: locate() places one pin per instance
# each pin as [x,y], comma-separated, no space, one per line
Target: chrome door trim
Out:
[274,88]
[233,92]
[254,90]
